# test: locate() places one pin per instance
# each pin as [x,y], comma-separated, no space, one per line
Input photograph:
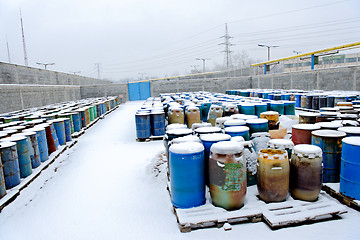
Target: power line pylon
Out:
[227,51]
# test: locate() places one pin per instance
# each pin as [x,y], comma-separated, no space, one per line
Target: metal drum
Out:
[215,112]
[322,101]
[329,125]
[242,131]
[309,99]
[67,123]
[192,115]
[23,152]
[49,137]
[301,133]
[207,130]
[303,101]
[289,108]
[350,167]
[53,133]
[143,125]
[350,131]
[87,115]
[219,122]
[59,126]
[257,125]
[2,180]
[42,142]
[277,107]
[315,102]
[247,109]
[157,120]
[330,143]
[260,108]
[273,174]
[306,172]
[187,180]
[76,121]
[330,101]
[10,163]
[234,123]
[175,133]
[227,175]
[308,117]
[282,144]
[34,150]
[71,122]
[273,119]
[298,100]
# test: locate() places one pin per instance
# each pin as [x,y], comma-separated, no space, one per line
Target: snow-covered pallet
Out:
[78,134]
[341,198]
[152,138]
[307,110]
[295,212]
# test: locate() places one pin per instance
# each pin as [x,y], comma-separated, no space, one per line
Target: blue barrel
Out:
[76,121]
[187,179]
[157,120]
[265,95]
[271,96]
[330,143]
[23,152]
[2,180]
[234,122]
[315,102]
[289,108]
[277,107]
[350,167]
[143,125]
[330,101]
[298,100]
[67,124]
[10,163]
[247,109]
[277,97]
[42,143]
[260,108]
[34,149]
[322,101]
[60,130]
[242,131]
[309,100]
[258,125]
[205,107]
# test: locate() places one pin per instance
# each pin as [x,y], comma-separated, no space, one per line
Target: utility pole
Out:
[23,38]
[203,59]
[45,64]
[227,51]
[8,51]
[98,66]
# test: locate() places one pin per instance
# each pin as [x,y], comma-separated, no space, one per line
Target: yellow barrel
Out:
[273,119]
[176,115]
[215,112]
[192,115]
[273,172]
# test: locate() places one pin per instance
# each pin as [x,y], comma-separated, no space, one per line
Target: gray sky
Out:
[163,37]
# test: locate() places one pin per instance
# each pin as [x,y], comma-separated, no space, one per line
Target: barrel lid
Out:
[14,138]
[157,112]
[212,137]
[256,121]
[207,130]
[234,122]
[276,103]
[280,143]
[352,141]
[36,128]
[226,147]
[237,139]
[237,129]
[28,132]
[307,150]
[6,144]
[57,120]
[10,131]
[199,125]
[328,133]
[260,104]
[179,131]
[188,138]
[306,126]
[260,134]
[175,108]
[309,114]
[15,128]
[235,116]
[329,114]
[269,113]
[176,126]
[3,134]
[351,130]
[328,109]
[186,148]
[44,125]
[332,125]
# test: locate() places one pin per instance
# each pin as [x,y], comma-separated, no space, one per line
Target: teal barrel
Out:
[143,125]
[34,149]
[350,168]
[76,121]
[247,108]
[23,152]
[257,125]
[2,181]
[42,142]
[205,107]
[277,107]
[10,163]
[330,143]
[187,179]
[289,107]
[60,130]
[260,108]
[241,131]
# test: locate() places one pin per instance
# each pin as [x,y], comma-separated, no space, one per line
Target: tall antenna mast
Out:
[227,51]
[23,38]
[8,51]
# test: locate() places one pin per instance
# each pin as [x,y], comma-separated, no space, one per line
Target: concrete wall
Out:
[105,90]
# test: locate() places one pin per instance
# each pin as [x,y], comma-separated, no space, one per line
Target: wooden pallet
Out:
[341,198]
[152,138]
[307,110]
[295,212]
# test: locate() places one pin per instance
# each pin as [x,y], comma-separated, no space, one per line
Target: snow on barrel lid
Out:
[14,138]
[224,119]
[188,138]
[237,139]
[352,141]
[186,148]
[351,130]
[175,126]
[333,125]
[6,144]
[328,133]
[306,126]
[235,122]
[330,114]
[309,114]
[199,125]
[237,116]
[248,117]
[179,131]
[226,147]
[307,150]
[256,121]
[269,113]
[286,143]
[215,137]
[28,133]
[237,129]
[208,130]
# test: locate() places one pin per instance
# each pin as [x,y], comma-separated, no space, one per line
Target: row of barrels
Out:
[30,138]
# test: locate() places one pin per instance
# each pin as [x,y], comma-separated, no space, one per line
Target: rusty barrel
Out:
[187,180]
[227,175]
[273,119]
[53,133]
[273,172]
[308,117]
[34,149]
[330,143]
[306,172]
[49,138]
[301,133]
[10,163]
[2,180]
[42,142]
[87,115]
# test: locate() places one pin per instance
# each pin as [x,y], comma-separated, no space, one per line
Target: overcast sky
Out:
[158,38]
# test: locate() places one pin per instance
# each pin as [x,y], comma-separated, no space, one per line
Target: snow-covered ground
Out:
[108,187]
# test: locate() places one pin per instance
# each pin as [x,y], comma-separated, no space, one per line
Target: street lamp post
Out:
[45,64]
[268,47]
[203,59]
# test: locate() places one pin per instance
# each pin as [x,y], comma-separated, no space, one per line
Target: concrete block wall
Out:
[104,90]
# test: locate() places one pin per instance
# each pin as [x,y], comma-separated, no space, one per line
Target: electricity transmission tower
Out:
[23,38]
[227,51]
[98,66]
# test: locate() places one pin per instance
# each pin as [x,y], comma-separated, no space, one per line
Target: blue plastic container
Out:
[209,139]
[60,130]
[265,95]
[67,123]
[34,149]
[242,131]
[2,181]
[157,120]
[76,121]
[187,179]
[260,108]
[322,101]
[298,100]
[277,107]
[143,125]
[205,107]
[271,96]
[350,167]
[258,125]
[330,143]
[330,101]
[289,108]
[42,143]
[23,152]
[10,163]
[247,109]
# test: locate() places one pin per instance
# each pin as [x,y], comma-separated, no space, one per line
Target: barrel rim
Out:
[352,141]
[328,133]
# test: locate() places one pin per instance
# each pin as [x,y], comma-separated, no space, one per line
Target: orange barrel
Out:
[227,175]
[87,115]
[192,115]
[219,122]
[301,133]
[273,172]
[273,119]
[215,112]
[306,172]
[283,144]
[176,115]
[308,117]
[344,104]
[199,125]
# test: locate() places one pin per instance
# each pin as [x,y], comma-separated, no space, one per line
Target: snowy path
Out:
[105,188]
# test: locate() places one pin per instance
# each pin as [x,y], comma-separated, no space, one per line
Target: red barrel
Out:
[301,133]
